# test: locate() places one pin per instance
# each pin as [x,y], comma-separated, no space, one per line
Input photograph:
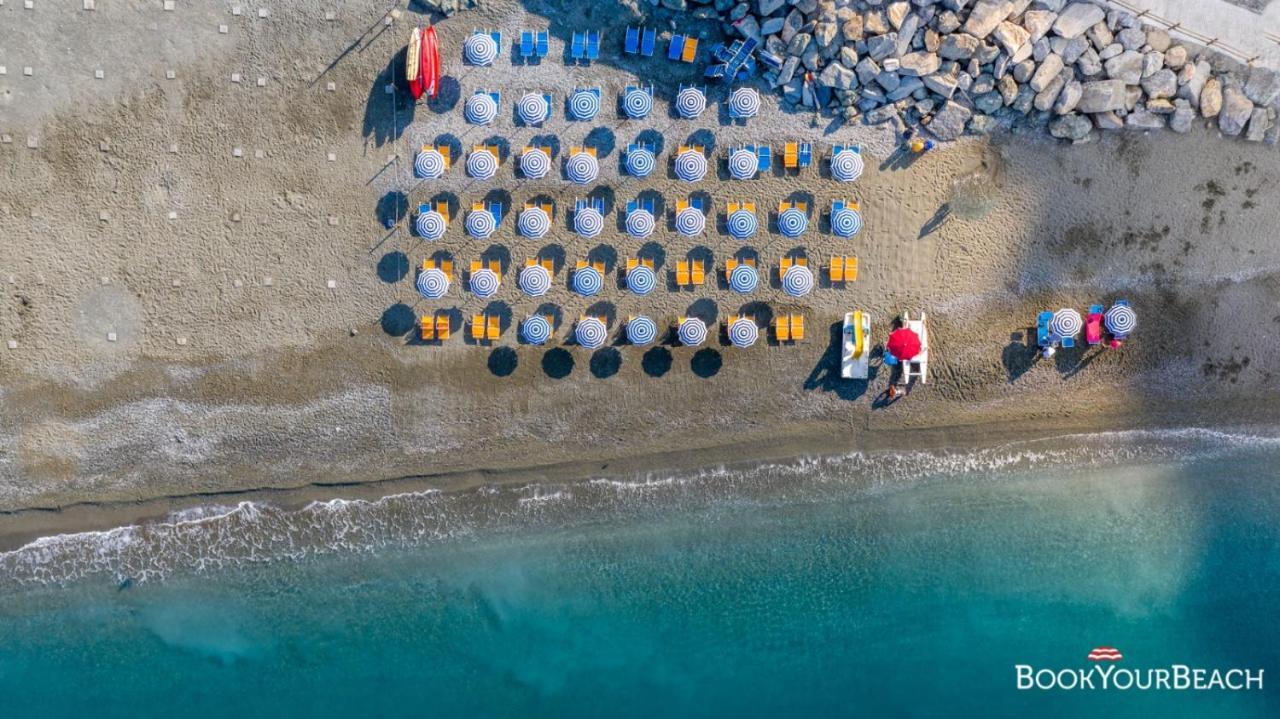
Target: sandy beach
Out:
[203,299]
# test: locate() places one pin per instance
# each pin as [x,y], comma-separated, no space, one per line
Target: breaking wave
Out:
[212,538]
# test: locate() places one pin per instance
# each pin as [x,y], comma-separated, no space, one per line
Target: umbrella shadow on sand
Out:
[825,376]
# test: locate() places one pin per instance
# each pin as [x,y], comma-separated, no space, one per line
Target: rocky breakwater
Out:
[956,66]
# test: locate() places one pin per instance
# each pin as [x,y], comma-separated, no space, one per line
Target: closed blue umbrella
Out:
[588,222]
[480,109]
[641,280]
[691,166]
[640,223]
[743,332]
[641,162]
[584,104]
[587,281]
[742,224]
[533,109]
[1120,320]
[433,283]
[690,102]
[641,330]
[582,168]
[535,280]
[744,279]
[637,103]
[792,222]
[536,330]
[692,332]
[481,224]
[591,333]
[846,222]
[484,283]
[430,225]
[798,281]
[429,164]
[846,165]
[690,222]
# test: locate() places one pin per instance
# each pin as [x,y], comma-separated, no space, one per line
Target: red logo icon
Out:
[1105,654]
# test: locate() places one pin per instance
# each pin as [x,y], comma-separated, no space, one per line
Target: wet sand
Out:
[235,367]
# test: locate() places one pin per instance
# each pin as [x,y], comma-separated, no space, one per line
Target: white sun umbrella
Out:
[690,102]
[742,224]
[536,330]
[797,281]
[584,104]
[642,280]
[641,330]
[640,223]
[429,164]
[535,163]
[692,332]
[1066,322]
[846,222]
[588,222]
[743,332]
[637,103]
[484,283]
[482,165]
[481,224]
[533,109]
[534,222]
[743,164]
[480,109]
[587,281]
[430,225]
[480,49]
[641,162]
[846,165]
[792,222]
[691,165]
[1120,320]
[690,222]
[535,280]
[744,279]
[591,333]
[744,102]
[582,168]
[433,283]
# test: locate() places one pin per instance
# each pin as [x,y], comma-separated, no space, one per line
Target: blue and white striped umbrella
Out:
[481,224]
[480,49]
[482,165]
[641,330]
[743,332]
[743,164]
[533,109]
[582,168]
[692,332]
[744,102]
[798,281]
[640,223]
[1066,322]
[534,222]
[846,165]
[642,280]
[536,330]
[433,283]
[690,222]
[480,109]
[587,281]
[584,104]
[641,162]
[792,222]
[691,102]
[591,333]
[846,222]
[535,163]
[484,282]
[1120,320]
[637,103]
[741,224]
[588,222]
[430,225]
[691,165]
[744,279]
[429,164]
[535,280]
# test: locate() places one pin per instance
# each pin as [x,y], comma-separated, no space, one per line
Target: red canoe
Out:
[430,72]
[413,64]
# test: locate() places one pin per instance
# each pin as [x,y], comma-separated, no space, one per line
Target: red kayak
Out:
[430,71]
[413,64]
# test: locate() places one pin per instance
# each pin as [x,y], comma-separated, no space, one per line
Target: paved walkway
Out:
[1242,31]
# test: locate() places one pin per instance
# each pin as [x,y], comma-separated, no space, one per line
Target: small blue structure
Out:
[585,46]
[733,62]
[1042,328]
[533,45]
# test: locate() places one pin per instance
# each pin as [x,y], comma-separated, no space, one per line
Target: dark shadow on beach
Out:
[825,376]
[557,363]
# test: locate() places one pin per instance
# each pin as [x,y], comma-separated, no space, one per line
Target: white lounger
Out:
[855,355]
[918,366]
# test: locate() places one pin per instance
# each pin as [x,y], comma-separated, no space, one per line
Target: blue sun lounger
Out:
[578,46]
[1042,328]
[594,203]
[593,45]
[676,47]
[631,45]
[533,45]
[645,204]
[806,155]
[698,203]
[647,40]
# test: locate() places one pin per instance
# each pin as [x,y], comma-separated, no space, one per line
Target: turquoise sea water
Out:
[892,584]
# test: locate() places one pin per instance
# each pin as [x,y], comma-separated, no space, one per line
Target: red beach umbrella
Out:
[903,344]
